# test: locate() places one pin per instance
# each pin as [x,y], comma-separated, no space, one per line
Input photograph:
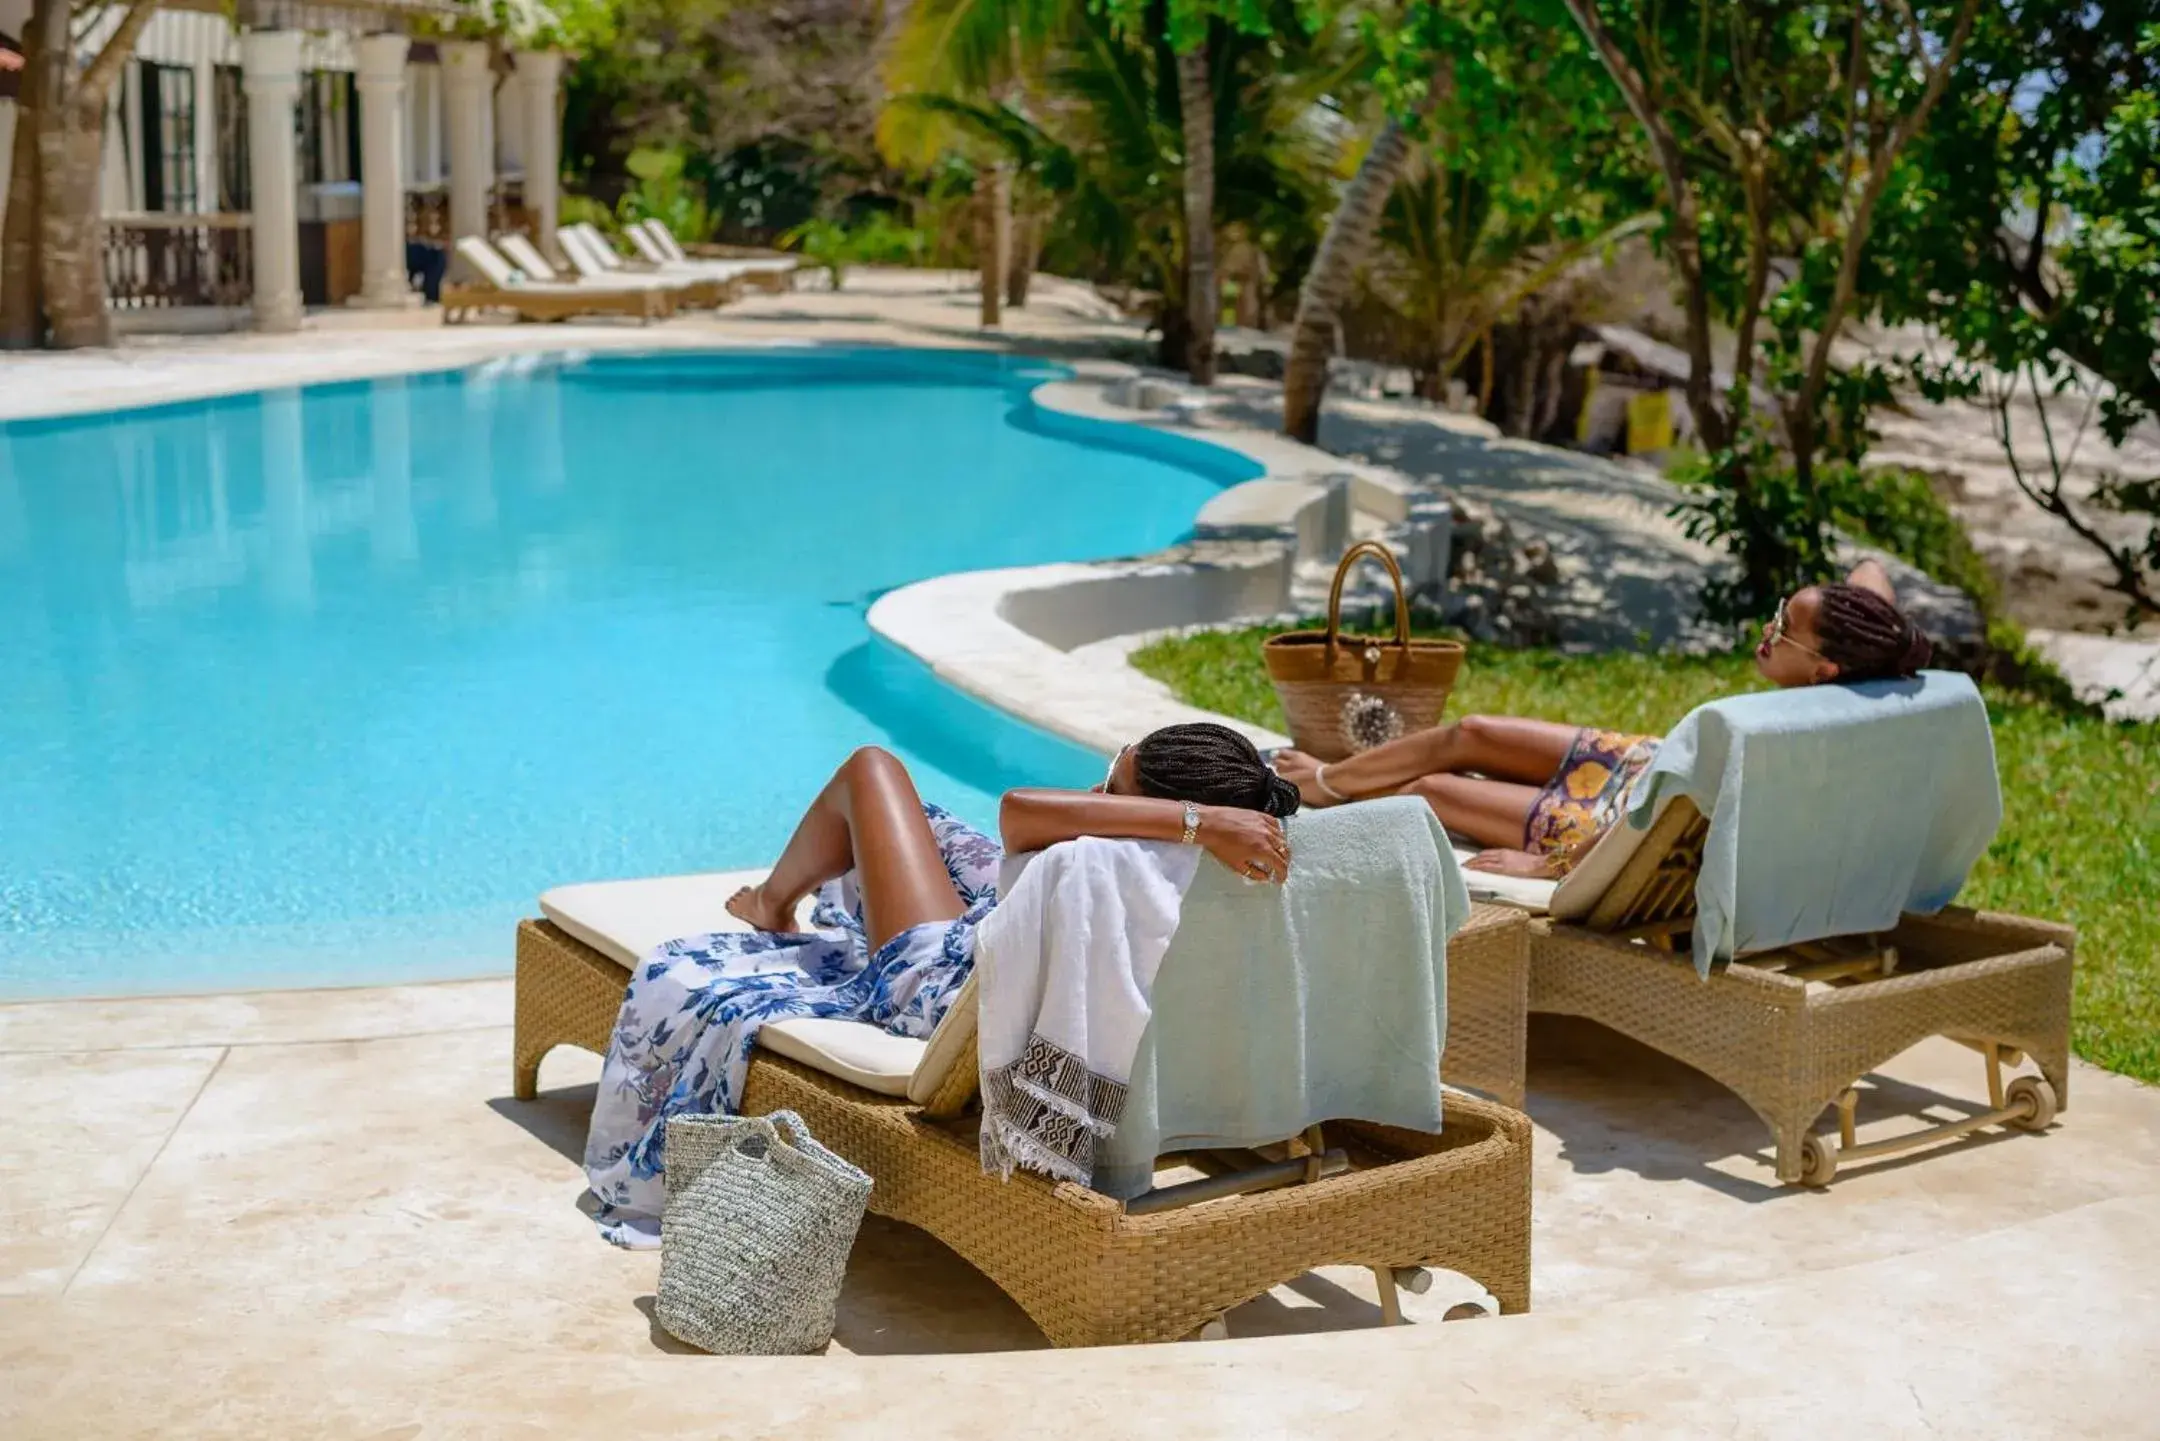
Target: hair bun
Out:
[1282,797]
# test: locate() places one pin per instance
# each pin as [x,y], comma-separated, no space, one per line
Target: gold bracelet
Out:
[1192,824]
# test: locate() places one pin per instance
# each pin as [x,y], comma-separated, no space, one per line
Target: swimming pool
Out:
[322,686]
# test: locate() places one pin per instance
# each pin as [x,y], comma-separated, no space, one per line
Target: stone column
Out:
[468,93]
[270,74]
[382,171]
[539,75]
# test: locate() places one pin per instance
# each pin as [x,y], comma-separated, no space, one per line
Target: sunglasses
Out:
[1776,631]
[1111,774]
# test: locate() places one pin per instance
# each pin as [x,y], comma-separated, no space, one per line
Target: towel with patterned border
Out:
[1064,967]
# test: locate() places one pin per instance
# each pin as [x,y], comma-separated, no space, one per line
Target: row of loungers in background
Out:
[514,276]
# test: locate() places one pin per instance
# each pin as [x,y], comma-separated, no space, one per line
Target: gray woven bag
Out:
[755,1237]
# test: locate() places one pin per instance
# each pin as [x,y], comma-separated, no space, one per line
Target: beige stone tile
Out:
[391,1184]
[77,1132]
[1651,1177]
[2044,1329]
[243,1018]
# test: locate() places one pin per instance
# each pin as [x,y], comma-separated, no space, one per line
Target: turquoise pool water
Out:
[322,686]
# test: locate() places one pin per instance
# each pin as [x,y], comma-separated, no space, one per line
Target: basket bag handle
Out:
[1334,601]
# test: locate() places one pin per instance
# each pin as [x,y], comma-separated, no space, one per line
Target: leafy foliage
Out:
[2029,239]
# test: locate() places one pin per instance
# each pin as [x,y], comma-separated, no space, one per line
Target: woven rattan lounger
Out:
[1791,1030]
[1091,1270]
[502,287]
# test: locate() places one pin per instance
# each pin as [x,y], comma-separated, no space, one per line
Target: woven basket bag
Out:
[1345,694]
[755,1237]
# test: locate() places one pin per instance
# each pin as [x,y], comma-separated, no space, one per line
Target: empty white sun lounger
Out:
[503,286]
[598,264]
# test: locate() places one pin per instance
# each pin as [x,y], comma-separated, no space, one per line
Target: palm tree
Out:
[1462,250]
[1348,240]
[981,51]
[1196,118]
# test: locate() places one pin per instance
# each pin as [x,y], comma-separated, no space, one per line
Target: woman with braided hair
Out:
[1540,794]
[900,889]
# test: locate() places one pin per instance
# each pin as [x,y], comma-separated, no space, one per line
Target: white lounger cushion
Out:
[625,920]
[1508,890]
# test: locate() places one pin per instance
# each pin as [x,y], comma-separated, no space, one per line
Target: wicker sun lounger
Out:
[1087,1269]
[1791,1030]
[502,287]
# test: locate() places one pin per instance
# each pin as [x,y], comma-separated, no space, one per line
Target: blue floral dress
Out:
[691,1015]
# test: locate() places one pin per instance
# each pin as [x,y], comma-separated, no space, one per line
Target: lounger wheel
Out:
[2034,1099]
[1818,1160]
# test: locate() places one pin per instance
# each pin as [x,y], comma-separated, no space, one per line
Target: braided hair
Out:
[1866,636]
[1210,765]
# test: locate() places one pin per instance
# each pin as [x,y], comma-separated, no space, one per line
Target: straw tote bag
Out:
[755,1236]
[1345,694]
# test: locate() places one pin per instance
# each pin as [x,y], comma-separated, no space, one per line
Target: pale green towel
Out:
[1322,999]
[1833,809]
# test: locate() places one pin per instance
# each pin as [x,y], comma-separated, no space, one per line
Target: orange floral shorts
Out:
[1587,795]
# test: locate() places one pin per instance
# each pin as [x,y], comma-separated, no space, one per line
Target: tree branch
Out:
[1686,222]
[1863,215]
[2129,580]
[96,82]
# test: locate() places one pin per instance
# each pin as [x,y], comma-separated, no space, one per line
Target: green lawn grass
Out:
[2081,797]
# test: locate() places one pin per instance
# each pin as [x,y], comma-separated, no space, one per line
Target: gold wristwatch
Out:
[1192,824]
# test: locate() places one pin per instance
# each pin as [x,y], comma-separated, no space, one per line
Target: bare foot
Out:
[760,912]
[1302,771]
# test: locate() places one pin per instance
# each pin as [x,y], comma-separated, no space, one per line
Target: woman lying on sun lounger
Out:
[1542,793]
[900,888]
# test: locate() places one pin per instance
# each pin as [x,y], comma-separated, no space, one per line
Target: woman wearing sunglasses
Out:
[1541,794]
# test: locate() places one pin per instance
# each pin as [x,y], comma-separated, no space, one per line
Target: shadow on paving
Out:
[1618,1105]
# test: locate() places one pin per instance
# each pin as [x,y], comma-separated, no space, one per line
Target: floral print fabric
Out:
[1586,796]
[691,1015]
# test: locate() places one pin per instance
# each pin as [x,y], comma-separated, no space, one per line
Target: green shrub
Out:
[663,194]
[878,240]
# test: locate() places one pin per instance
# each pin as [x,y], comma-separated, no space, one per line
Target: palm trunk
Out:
[1196,107]
[22,310]
[1343,248]
[1026,247]
[994,240]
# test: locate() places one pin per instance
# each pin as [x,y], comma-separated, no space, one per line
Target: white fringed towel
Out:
[1064,967]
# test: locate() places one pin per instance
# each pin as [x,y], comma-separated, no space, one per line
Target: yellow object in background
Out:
[1649,422]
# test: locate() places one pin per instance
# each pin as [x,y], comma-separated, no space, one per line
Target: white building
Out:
[283,158]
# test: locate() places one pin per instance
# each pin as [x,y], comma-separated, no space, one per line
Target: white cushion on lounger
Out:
[1508,890]
[624,920]
[870,1056]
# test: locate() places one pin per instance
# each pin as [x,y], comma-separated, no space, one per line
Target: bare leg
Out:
[1506,748]
[1492,813]
[869,820]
